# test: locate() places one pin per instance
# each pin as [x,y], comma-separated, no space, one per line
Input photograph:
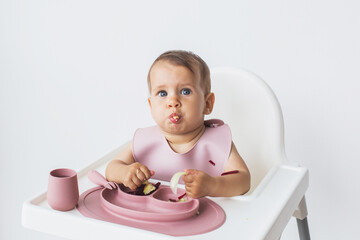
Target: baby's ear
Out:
[209,103]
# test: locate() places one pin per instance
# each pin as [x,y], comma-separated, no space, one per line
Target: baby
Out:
[180,96]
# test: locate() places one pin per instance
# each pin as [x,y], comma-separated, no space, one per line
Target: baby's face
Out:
[177,99]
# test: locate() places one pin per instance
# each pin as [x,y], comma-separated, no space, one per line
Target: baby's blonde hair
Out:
[189,60]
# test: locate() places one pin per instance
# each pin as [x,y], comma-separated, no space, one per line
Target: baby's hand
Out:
[197,183]
[135,175]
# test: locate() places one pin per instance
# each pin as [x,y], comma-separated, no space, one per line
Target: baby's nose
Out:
[173,102]
[173,105]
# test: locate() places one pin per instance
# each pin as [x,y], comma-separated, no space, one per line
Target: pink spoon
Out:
[99,179]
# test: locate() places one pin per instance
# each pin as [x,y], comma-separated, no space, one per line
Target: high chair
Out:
[278,186]
[249,106]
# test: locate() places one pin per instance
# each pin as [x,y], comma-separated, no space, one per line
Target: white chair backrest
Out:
[245,102]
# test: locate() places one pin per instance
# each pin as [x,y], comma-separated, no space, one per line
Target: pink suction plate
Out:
[153,207]
[152,212]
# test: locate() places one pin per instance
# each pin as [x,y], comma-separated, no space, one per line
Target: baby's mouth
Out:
[174,118]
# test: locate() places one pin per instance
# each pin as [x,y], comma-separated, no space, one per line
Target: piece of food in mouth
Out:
[174,118]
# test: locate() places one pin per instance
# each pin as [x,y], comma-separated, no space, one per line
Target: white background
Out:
[73,87]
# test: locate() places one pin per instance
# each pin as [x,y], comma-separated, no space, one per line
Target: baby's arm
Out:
[123,169]
[199,184]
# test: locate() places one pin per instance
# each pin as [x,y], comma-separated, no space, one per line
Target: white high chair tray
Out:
[263,214]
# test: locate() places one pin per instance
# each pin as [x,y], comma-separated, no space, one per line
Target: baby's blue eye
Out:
[185,91]
[162,94]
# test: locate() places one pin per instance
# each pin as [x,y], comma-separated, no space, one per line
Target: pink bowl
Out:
[153,207]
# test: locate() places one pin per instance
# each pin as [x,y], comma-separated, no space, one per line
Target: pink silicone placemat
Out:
[211,216]
[153,207]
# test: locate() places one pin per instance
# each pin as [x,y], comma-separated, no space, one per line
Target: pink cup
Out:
[63,191]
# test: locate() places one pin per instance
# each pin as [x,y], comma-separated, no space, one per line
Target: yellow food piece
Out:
[148,188]
[183,199]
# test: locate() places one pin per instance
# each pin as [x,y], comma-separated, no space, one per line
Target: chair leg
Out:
[303,228]
[301,218]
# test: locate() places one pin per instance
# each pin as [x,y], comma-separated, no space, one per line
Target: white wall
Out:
[72,87]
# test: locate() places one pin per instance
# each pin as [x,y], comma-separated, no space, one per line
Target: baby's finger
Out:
[146,172]
[190,171]
[141,176]
[188,178]
[136,180]
[188,191]
[130,184]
